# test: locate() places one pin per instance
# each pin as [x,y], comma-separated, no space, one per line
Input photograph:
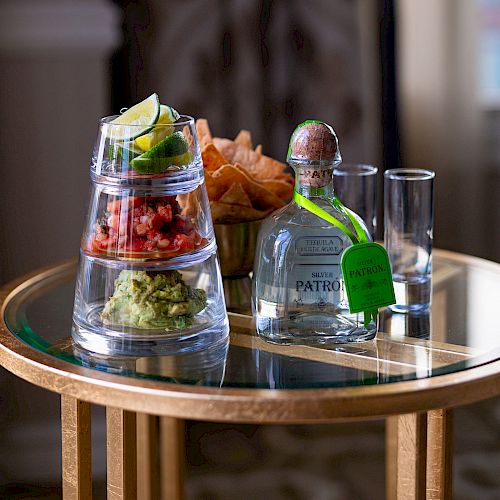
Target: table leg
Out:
[391,457]
[173,457]
[121,449]
[76,449]
[411,456]
[439,454]
[148,457]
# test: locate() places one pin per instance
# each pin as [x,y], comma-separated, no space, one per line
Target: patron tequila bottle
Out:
[299,294]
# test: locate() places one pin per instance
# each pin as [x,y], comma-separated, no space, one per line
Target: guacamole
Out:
[153,300]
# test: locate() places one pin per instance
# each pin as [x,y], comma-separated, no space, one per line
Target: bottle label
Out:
[321,245]
[367,277]
[316,285]
[315,279]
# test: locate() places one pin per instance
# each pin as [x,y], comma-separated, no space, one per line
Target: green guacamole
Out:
[153,300]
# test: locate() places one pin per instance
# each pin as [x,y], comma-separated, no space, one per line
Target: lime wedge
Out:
[147,141]
[160,165]
[183,159]
[167,115]
[173,150]
[173,145]
[141,118]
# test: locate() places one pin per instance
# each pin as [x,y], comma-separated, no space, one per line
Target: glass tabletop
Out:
[460,331]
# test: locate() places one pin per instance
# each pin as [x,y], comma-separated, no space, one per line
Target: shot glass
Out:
[409,220]
[356,186]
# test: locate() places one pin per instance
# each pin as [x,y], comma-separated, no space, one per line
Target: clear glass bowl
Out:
[149,280]
[146,223]
[149,308]
[119,159]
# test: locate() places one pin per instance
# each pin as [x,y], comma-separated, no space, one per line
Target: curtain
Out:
[260,65]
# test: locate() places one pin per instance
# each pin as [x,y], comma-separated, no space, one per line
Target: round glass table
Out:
[417,369]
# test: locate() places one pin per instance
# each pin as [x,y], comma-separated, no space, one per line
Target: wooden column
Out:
[173,458]
[391,458]
[411,456]
[148,457]
[76,449]
[121,449]
[439,454]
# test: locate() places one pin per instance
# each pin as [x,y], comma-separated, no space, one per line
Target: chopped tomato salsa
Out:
[144,227]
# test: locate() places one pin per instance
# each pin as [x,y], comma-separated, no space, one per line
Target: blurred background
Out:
[405,83]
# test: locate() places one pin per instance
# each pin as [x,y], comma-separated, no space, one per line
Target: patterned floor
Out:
[331,462]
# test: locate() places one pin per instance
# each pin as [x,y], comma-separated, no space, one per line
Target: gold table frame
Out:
[145,419]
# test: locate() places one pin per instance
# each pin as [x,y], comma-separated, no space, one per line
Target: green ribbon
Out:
[359,237]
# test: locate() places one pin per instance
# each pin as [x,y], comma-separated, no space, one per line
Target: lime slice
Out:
[183,159]
[140,118]
[147,141]
[167,115]
[161,156]
[160,165]
[173,145]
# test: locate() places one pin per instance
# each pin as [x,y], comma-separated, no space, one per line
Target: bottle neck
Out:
[314,182]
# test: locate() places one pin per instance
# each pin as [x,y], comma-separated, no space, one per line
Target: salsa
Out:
[144,227]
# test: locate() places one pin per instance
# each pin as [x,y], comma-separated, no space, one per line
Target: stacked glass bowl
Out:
[149,280]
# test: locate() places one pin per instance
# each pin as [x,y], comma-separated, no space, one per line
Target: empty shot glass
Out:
[409,220]
[356,186]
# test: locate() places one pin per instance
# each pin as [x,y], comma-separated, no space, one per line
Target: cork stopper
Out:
[314,153]
[314,142]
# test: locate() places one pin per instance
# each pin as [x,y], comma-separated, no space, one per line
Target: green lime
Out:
[168,114]
[137,120]
[160,165]
[161,156]
[183,159]
[161,129]
[173,145]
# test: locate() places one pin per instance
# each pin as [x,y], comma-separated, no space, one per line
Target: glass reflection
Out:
[288,366]
[205,367]
[416,357]
[412,324]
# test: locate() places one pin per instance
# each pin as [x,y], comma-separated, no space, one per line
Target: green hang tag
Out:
[367,277]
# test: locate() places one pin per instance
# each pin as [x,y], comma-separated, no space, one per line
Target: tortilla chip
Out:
[214,189]
[236,153]
[223,213]
[261,197]
[244,138]
[203,132]
[259,166]
[212,158]
[190,204]
[282,189]
[285,177]
[236,195]
[187,134]
[268,168]
[258,149]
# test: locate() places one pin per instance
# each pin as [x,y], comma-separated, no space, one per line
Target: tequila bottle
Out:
[299,294]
